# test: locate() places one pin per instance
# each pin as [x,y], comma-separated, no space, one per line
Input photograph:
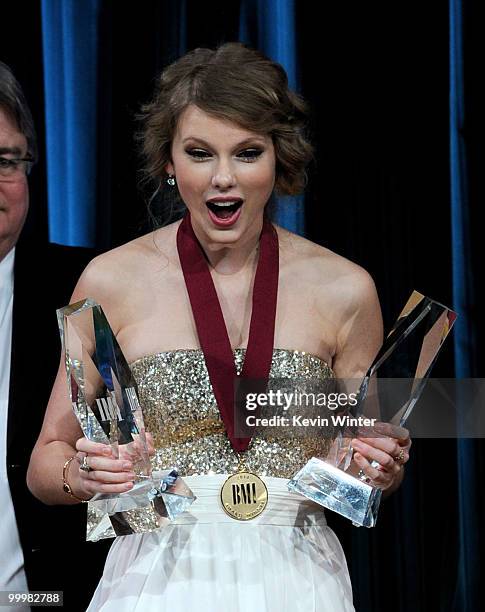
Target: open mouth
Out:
[224,214]
[224,210]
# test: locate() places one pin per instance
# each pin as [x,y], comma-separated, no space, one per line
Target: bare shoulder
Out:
[118,278]
[334,278]
[342,298]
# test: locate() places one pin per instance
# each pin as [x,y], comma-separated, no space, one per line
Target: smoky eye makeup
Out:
[249,153]
[197,153]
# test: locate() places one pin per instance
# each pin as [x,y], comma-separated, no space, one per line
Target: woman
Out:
[223,133]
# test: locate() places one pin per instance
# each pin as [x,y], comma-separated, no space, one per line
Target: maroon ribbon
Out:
[211,327]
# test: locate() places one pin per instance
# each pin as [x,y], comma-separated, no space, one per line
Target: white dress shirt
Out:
[12,575]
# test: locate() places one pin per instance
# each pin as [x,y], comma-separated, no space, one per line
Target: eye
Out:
[7,163]
[247,155]
[197,153]
[250,154]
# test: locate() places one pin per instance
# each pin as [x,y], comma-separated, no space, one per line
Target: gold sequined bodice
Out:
[181,413]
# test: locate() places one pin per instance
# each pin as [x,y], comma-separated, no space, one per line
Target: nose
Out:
[223,177]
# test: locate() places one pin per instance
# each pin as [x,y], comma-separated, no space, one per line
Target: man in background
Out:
[41,547]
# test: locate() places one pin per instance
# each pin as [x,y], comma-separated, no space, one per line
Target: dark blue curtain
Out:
[70,48]
[467,589]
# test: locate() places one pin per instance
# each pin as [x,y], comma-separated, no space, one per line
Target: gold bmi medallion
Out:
[244,495]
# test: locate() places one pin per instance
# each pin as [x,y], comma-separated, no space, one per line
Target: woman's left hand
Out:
[390,450]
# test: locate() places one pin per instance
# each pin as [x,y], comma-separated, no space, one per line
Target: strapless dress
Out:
[285,559]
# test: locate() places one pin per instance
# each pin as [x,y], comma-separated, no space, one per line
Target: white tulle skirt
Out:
[286,559]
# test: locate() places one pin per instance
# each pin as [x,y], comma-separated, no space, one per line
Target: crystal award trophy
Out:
[104,398]
[407,355]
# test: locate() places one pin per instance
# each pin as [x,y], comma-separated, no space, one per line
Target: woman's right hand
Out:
[107,475]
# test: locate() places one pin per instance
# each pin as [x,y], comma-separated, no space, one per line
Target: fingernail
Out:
[127,465]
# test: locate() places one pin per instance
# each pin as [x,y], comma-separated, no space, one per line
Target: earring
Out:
[171,180]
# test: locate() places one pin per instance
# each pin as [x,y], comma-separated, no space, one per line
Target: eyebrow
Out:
[246,141]
[10,150]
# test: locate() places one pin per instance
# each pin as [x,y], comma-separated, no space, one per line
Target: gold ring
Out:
[399,458]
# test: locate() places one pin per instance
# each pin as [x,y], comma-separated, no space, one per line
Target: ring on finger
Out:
[85,465]
[363,476]
[400,457]
[376,465]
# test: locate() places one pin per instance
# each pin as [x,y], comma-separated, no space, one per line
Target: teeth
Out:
[224,204]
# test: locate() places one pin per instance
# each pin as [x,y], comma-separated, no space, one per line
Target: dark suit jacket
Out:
[52,537]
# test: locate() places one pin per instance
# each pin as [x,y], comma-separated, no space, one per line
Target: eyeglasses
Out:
[12,170]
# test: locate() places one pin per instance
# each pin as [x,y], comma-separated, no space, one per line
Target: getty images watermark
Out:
[279,400]
[448,407]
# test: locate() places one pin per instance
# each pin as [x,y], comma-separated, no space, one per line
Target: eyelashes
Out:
[248,154]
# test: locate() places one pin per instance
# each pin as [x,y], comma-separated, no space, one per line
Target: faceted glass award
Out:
[104,398]
[388,393]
